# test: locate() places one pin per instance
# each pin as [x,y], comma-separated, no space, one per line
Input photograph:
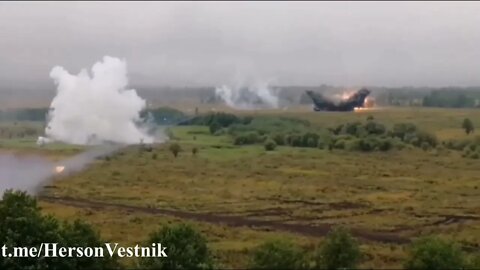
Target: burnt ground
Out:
[317,230]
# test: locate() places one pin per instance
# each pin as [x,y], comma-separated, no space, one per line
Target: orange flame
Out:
[59,169]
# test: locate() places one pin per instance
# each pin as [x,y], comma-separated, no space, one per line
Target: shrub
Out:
[368,144]
[339,144]
[400,130]
[434,253]
[373,127]
[214,127]
[457,144]
[240,140]
[353,128]
[194,151]
[247,138]
[175,149]
[353,145]
[427,137]
[277,254]
[270,145]
[310,139]
[81,234]
[324,141]
[294,140]
[279,139]
[186,249]
[339,250]
[385,144]
[467,125]
[253,137]
[22,224]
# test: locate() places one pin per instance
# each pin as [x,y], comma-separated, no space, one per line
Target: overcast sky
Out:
[209,43]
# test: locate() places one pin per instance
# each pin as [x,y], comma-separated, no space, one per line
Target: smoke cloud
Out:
[258,95]
[31,173]
[23,172]
[97,108]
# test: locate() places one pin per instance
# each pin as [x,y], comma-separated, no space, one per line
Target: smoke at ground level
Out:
[31,173]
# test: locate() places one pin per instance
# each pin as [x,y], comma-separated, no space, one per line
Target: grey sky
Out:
[209,43]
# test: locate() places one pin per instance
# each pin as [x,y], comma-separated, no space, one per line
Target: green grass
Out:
[407,192]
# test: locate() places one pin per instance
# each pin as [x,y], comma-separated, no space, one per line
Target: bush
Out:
[400,130]
[310,139]
[270,145]
[277,254]
[194,151]
[467,125]
[339,144]
[175,149]
[434,253]
[462,144]
[385,144]
[22,224]
[186,249]
[324,141]
[427,137]
[214,127]
[369,144]
[81,234]
[375,128]
[279,139]
[339,250]
[353,145]
[294,140]
[247,138]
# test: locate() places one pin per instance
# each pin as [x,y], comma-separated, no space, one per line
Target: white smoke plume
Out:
[31,173]
[23,172]
[248,97]
[97,108]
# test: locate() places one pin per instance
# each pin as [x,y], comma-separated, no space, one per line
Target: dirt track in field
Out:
[232,221]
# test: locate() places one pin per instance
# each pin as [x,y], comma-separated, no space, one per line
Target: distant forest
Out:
[35,106]
[161,116]
[448,97]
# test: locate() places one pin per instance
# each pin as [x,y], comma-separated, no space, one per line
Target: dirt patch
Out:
[233,221]
[443,220]
[345,205]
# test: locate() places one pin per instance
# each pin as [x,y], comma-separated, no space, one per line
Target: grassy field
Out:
[240,196]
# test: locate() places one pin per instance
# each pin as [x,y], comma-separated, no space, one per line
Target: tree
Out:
[434,253]
[23,225]
[277,254]
[270,145]
[81,234]
[175,149]
[186,249]
[339,250]
[214,127]
[467,125]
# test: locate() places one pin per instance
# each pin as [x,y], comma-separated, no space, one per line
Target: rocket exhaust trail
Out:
[31,173]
